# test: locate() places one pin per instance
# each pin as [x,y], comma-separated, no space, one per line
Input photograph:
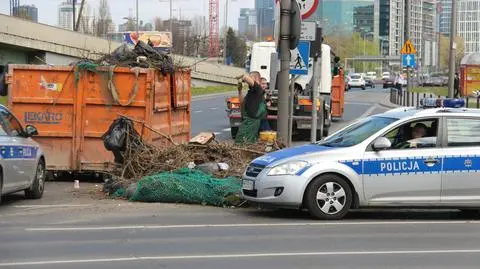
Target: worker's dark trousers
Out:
[265,126]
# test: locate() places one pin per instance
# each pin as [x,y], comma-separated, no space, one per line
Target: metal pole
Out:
[290,110]
[171,23]
[285,17]
[453,50]
[226,34]
[75,28]
[407,37]
[137,21]
[316,84]
[364,50]
[74,15]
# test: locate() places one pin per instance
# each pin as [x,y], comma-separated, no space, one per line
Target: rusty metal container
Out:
[73,108]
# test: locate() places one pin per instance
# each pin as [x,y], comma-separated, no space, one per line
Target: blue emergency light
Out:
[440,102]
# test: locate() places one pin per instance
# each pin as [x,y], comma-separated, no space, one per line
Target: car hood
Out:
[309,152]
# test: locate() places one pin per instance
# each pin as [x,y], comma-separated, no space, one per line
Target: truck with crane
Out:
[331,91]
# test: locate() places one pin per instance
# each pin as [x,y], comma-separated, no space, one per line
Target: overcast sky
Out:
[149,9]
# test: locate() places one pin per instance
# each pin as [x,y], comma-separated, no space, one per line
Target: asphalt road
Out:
[209,115]
[110,235]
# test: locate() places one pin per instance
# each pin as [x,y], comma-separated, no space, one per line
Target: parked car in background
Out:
[356,81]
[432,81]
[388,82]
[371,76]
[386,75]
[369,83]
[435,80]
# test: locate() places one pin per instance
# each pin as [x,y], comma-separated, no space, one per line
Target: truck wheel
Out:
[328,197]
[38,185]
[325,132]
[234,131]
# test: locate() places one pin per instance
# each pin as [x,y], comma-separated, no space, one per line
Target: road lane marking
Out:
[217,133]
[198,111]
[244,255]
[359,103]
[214,108]
[227,130]
[245,225]
[50,206]
[368,112]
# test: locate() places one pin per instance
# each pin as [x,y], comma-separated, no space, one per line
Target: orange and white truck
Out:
[332,91]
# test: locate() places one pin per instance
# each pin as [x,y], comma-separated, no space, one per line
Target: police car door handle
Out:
[431,161]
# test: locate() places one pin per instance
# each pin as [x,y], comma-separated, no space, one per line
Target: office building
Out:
[247,22]
[265,12]
[181,31]
[389,18]
[26,12]
[338,15]
[65,17]
[363,18]
[468,26]
[381,25]
[422,24]
[445,16]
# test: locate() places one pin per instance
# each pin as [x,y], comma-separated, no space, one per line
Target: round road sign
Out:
[307,7]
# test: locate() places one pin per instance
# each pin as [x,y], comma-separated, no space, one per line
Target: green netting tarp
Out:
[189,187]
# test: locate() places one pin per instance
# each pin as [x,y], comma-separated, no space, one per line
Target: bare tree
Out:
[199,26]
[104,18]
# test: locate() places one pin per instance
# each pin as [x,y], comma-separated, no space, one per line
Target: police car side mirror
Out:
[31,130]
[381,143]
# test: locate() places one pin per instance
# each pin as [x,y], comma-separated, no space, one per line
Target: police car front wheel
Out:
[37,188]
[328,197]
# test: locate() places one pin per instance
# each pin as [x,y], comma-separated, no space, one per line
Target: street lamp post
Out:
[137,21]
[453,50]
[226,34]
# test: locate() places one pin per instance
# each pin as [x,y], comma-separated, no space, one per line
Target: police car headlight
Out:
[290,168]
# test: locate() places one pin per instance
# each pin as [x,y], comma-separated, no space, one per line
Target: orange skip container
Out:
[73,108]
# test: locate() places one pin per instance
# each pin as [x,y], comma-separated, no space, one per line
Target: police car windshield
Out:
[358,132]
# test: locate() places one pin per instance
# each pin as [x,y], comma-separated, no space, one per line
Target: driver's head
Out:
[264,83]
[420,130]
[256,77]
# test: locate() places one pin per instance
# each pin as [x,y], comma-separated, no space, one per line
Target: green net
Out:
[84,66]
[189,187]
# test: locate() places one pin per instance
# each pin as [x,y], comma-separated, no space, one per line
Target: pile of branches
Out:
[143,55]
[139,158]
[145,160]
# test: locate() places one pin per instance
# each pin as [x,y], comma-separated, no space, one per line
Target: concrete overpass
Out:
[26,42]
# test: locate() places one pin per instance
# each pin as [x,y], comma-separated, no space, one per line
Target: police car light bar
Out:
[440,102]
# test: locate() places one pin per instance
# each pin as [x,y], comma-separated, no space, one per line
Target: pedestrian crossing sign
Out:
[299,58]
[408,48]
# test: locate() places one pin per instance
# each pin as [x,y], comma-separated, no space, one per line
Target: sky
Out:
[148,9]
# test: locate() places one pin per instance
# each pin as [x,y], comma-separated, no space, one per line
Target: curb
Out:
[387,104]
[213,95]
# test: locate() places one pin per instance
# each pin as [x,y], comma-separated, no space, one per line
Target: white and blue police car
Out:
[22,162]
[406,157]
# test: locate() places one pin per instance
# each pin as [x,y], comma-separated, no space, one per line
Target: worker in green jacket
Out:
[253,109]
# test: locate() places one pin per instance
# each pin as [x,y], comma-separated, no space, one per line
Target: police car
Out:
[22,163]
[406,157]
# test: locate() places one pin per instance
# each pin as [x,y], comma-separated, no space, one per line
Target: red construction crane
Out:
[214,37]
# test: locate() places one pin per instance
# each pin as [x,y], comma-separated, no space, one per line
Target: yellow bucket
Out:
[268,136]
